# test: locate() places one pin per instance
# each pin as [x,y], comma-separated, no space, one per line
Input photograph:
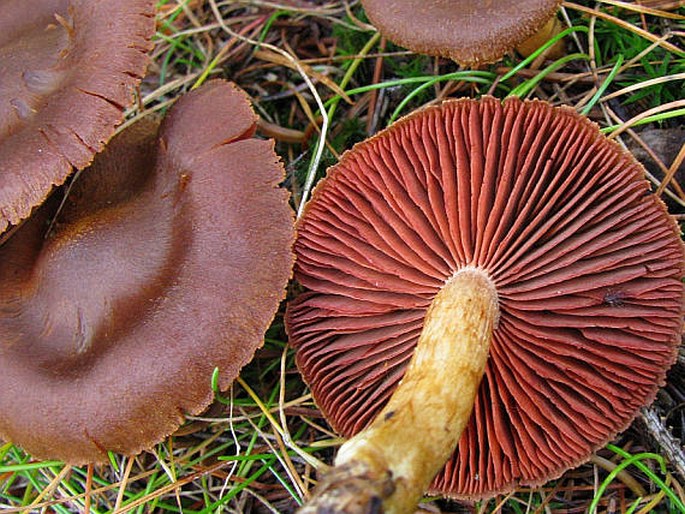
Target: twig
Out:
[89,489]
[671,448]
[373,107]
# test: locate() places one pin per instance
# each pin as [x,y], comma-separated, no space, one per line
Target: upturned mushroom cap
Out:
[68,68]
[169,259]
[587,266]
[467,31]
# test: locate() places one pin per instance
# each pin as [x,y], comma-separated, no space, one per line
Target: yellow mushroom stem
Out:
[388,466]
[547,32]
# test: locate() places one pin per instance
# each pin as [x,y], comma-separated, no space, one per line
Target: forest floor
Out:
[624,67]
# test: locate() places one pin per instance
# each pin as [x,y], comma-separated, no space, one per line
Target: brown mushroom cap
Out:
[587,265]
[467,31]
[169,259]
[68,68]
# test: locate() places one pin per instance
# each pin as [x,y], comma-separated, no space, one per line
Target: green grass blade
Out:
[650,474]
[600,91]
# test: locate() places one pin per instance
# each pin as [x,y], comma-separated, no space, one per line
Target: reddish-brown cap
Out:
[587,265]
[68,68]
[467,31]
[169,259]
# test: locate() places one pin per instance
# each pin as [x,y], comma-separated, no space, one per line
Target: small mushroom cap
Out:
[168,260]
[588,268]
[69,69]
[467,31]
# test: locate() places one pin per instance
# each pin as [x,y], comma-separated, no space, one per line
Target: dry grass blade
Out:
[56,481]
[636,7]
[281,60]
[124,483]
[278,428]
[675,165]
[623,476]
[324,124]
[671,106]
[642,85]
[628,26]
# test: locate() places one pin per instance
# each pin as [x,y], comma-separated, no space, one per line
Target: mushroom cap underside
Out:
[467,31]
[168,259]
[69,68]
[587,263]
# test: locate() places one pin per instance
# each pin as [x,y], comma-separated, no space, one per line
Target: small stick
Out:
[89,489]
[672,449]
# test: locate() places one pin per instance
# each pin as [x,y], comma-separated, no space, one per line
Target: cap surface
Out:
[587,265]
[68,68]
[169,259]
[467,31]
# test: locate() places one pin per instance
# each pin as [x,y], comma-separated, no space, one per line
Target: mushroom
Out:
[68,68]
[168,260]
[467,31]
[492,294]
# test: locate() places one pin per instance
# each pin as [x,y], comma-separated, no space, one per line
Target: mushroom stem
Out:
[388,466]
[547,32]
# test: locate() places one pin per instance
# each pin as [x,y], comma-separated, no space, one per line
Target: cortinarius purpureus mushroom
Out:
[467,31]
[491,281]
[69,69]
[168,260]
